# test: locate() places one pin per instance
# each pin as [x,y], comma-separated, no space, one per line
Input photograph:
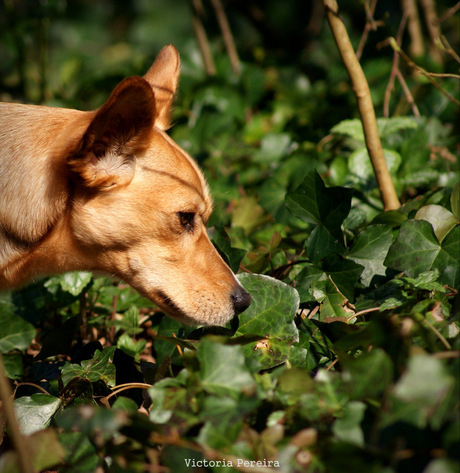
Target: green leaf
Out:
[13,365]
[130,346]
[348,427]
[361,166]
[100,367]
[44,451]
[223,368]
[273,147]
[322,242]
[270,315]
[368,375]
[248,214]
[15,332]
[352,128]
[448,260]
[34,412]
[324,207]
[422,388]
[81,454]
[74,283]
[344,273]
[332,301]
[417,250]
[387,126]
[440,218]
[370,250]
[232,256]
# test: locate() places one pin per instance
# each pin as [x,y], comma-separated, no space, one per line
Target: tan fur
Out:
[109,191]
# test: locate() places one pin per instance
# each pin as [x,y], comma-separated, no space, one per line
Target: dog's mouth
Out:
[167,304]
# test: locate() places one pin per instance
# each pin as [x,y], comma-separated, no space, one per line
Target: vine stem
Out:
[19,440]
[366,109]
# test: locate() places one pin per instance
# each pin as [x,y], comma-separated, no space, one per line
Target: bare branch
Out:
[428,75]
[202,38]
[429,10]
[19,440]
[365,106]
[227,35]
[409,8]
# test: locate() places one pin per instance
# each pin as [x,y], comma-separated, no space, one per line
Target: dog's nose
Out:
[241,299]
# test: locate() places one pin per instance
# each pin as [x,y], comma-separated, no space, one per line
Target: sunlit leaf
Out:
[270,315]
[34,412]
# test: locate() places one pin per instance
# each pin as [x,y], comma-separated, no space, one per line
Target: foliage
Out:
[347,358]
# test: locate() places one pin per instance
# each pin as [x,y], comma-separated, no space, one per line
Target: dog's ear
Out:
[163,77]
[104,157]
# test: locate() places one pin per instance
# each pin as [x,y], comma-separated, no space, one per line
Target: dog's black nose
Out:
[241,299]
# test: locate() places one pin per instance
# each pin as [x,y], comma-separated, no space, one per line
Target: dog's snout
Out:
[241,299]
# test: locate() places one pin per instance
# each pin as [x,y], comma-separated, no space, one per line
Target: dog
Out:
[109,191]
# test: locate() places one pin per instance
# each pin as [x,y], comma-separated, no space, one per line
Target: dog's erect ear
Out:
[163,77]
[105,155]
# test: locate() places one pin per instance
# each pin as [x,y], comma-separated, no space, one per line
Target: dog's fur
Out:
[108,190]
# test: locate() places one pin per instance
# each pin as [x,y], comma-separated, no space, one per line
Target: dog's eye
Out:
[187,220]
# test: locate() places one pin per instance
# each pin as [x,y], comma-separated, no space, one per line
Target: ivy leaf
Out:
[100,367]
[361,166]
[440,218]
[387,126]
[223,368]
[417,250]
[344,273]
[44,449]
[34,412]
[271,316]
[325,207]
[348,426]
[73,283]
[370,249]
[421,389]
[232,256]
[15,332]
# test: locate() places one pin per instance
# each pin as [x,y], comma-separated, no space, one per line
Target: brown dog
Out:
[109,191]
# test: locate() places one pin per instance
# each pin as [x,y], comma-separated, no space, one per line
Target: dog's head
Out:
[141,204]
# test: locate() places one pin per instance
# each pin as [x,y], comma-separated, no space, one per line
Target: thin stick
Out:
[409,8]
[227,35]
[448,13]
[429,10]
[365,107]
[202,38]
[422,71]
[19,440]
[408,94]
[394,68]
[371,24]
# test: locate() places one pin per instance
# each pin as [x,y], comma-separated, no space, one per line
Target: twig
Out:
[371,24]
[197,8]
[448,13]
[429,10]
[409,8]
[19,440]
[362,312]
[447,48]
[438,334]
[408,94]
[365,107]
[422,71]
[227,35]
[394,68]
[125,387]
